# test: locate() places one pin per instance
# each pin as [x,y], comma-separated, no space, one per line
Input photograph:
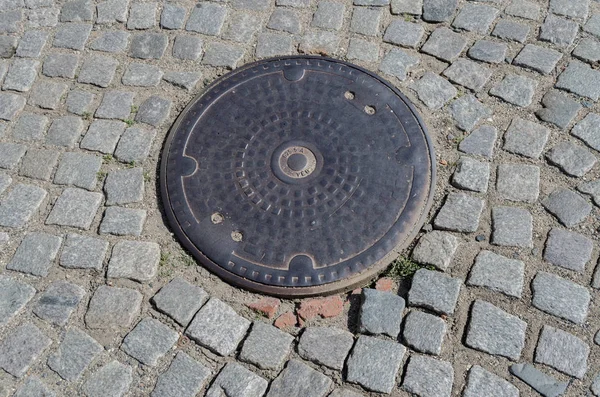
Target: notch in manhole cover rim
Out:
[297,176]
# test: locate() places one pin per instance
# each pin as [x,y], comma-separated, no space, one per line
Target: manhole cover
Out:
[297,176]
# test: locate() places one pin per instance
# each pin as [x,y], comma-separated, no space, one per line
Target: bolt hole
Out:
[349,95]
[237,236]
[370,110]
[217,218]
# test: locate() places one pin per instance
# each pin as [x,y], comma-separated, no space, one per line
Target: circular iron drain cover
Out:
[297,176]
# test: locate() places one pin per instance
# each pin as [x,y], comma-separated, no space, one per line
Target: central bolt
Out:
[297,162]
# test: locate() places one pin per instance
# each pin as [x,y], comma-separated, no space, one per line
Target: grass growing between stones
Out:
[402,268]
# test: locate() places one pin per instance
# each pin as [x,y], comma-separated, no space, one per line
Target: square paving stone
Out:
[475,18]
[592,188]
[20,204]
[184,378]
[467,111]
[593,25]
[588,50]
[21,348]
[518,182]
[103,135]
[272,44]
[512,226]
[298,380]
[149,341]
[135,260]
[78,10]
[587,130]
[538,380]
[187,80]
[78,169]
[134,145]
[497,273]
[47,95]
[30,127]
[560,297]
[374,363]
[438,10]
[35,254]
[10,22]
[285,20]
[481,382]
[65,131]
[570,8]
[242,27]
[187,47]
[8,46]
[424,332]
[72,36]
[124,186]
[266,346]
[526,138]
[571,158]
[32,43]
[21,75]
[142,16]
[14,295]
[10,105]
[436,249]
[381,312]
[434,291]
[75,208]
[568,249]
[559,31]
[148,45]
[33,386]
[83,252]
[38,164]
[495,331]
[488,51]
[428,377]
[123,221]
[397,63]
[471,175]
[172,16]
[468,74]
[402,33]
[433,90]
[235,380]
[112,11]
[515,89]
[60,65]
[218,327]
[480,142]
[113,308]
[365,21]
[180,300]
[580,79]
[411,7]
[115,105]
[80,102]
[329,15]
[562,351]
[113,379]
[509,30]
[98,70]
[444,44]
[113,42]
[207,18]
[460,213]
[538,58]
[219,54]
[567,206]
[74,354]
[559,109]
[56,304]
[326,346]
[43,17]
[154,111]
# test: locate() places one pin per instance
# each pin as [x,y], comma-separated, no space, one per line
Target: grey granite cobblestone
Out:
[187,47]
[434,291]
[98,70]
[14,295]
[112,308]
[135,260]
[397,63]
[64,131]
[475,17]
[510,30]
[39,163]
[78,169]
[559,31]
[149,341]
[235,380]
[366,21]
[30,127]
[540,59]
[34,386]
[172,16]
[326,346]
[436,249]
[587,50]
[103,135]
[123,221]
[32,43]
[559,109]
[21,348]
[460,213]
[180,300]
[82,252]
[518,182]
[591,188]
[124,186]
[562,351]
[112,42]
[434,90]
[298,380]
[402,33]
[47,95]
[381,312]
[471,175]
[72,36]
[467,111]
[480,142]
[113,379]
[20,204]
[76,208]
[438,10]
[468,74]
[329,15]
[568,249]
[512,226]
[75,353]
[428,377]
[266,346]
[567,206]
[560,297]
[545,384]
[481,382]
[444,44]
[424,332]
[498,273]
[587,130]
[207,18]
[79,102]
[184,378]
[134,145]
[58,302]
[142,15]
[526,138]
[10,105]
[488,51]
[515,89]
[141,75]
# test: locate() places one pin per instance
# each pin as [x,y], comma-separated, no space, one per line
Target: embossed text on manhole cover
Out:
[297,176]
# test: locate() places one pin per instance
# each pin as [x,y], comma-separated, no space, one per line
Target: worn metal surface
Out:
[297,176]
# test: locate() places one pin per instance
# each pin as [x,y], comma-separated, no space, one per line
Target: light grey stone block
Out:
[526,138]
[14,295]
[468,74]
[21,348]
[180,300]
[568,249]
[524,9]
[135,260]
[559,297]
[113,308]
[72,36]
[518,182]
[366,21]
[113,379]
[115,105]
[98,70]
[154,111]
[512,226]
[35,254]
[113,42]
[381,312]
[438,10]
[326,346]
[433,90]
[515,89]
[546,385]
[75,208]
[172,16]
[123,221]
[124,186]
[481,382]
[21,75]
[74,354]
[559,109]
[103,135]
[83,252]
[56,304]
[266,346]
[184,378]
[471,175]
[475,18]
[562,351]
[298,380]
[538,58]
[428,377]
[30,127]
[587,130]
[65,131]
[498,273]
[47,95]
[33,386]
[10,105]
[78,169]
[149,341]
[567,206]
[444,44]
[142,16]
[467,111]
[480,142]
[329,15]
[434,291]
[38,164]
[436,249]
[32,43]
[573,159]
[397,63]
[224,55]
[80,102]
[402,33]
[424,332]
[235,380]
[134,145]
[559,31]
[460,213]
[20,204]
[488,51]
[207,18]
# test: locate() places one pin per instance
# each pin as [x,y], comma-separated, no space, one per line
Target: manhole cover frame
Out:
[343,285]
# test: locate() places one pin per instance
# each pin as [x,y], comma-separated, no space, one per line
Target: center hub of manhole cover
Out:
[297,176]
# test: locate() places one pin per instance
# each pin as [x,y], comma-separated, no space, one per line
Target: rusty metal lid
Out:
[297,176]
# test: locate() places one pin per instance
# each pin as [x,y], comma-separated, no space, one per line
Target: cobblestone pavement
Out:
[98,299]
